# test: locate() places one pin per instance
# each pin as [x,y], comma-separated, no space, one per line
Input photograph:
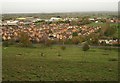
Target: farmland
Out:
[73,64]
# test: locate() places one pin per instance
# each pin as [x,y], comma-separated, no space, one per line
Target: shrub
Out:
[59,54]
[113,59]
[85,46]
[12,42]
[5,43]
[24,40]
[74,34]
[68,41]
[8,42]
[63,47]
[75,40]
[48,42]
[42,54]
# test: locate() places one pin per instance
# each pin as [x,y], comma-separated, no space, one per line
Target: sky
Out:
[52,6]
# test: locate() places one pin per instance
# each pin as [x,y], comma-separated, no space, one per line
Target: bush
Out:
[113,59]
[75,40]
[74,34]
[63,47]
[68,41]
[24,40]
[5,43]
[59,54]
[8,42]
[48,42]
[85,46]
[12,42]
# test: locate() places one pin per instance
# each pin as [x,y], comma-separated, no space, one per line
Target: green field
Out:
[27,64]
[102,24]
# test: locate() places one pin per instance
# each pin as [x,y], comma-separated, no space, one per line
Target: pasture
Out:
[71,64]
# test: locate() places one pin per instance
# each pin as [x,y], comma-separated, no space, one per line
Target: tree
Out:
[85,46]
[45,39]
[24,40]
[48,42]
[73,22]
[110,31]
[84,21]
[107,30]
[94,38]
[74,34]
[75,40]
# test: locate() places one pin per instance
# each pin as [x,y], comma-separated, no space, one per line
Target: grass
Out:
[95,24]
[102,24]
[27,64]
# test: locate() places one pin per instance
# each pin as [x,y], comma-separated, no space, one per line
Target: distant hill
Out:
[64,14]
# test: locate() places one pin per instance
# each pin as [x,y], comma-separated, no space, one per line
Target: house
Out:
[36,20]
[108,41]
[21,18]
[55,19]
[91,19]
[96,21]
[12,22]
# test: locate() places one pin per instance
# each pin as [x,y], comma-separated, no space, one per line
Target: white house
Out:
[36,20]
[96,21]
[12,22]
[55,19]
[91,19]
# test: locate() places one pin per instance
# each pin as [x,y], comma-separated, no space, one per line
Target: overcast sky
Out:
[50,6]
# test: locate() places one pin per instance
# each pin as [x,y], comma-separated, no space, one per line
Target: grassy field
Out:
[27,64]
[102,24]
